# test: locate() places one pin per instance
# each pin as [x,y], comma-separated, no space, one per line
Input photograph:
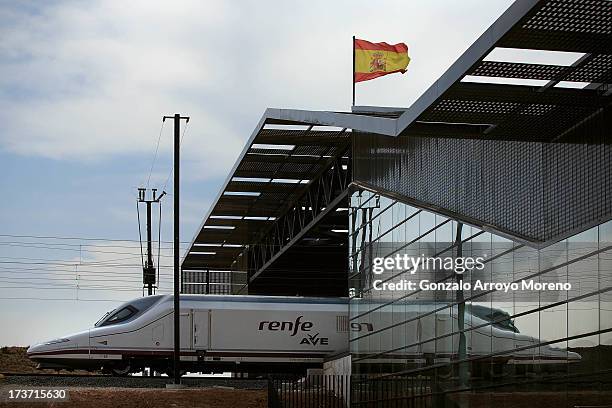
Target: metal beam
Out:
[322,196]
[301,233]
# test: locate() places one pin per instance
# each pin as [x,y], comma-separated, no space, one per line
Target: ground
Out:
[153,398]
[15,360]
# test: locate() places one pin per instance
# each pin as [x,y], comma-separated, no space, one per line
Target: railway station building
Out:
[506,162]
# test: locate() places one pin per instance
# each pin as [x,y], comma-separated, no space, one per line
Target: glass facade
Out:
[481,341]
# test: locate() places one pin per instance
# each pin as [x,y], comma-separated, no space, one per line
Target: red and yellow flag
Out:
[373,60]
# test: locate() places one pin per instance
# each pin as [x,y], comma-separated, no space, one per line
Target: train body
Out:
[274,334]
[217,333]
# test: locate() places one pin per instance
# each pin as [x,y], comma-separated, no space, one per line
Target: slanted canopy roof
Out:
[273,171]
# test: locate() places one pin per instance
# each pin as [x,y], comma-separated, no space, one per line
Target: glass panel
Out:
[551,345]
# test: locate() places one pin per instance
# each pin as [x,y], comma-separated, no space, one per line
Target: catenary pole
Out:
[149,247]
[148,271]
[177,311]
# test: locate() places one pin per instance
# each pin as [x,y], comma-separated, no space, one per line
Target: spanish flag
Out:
[373,60]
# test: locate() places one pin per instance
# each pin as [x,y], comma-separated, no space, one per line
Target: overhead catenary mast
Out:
[148,268]
[177,160]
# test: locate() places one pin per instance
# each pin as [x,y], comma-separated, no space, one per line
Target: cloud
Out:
[89,81]
[86,81]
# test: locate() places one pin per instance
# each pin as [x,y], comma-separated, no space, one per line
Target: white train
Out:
[217,334]
[270,333]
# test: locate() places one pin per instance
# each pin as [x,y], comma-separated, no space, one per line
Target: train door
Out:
[201,324]
[186,329]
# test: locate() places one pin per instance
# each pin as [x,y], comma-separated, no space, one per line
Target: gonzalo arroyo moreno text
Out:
[459,265]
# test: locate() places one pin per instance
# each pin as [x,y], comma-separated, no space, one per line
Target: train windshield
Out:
[127,311]
[498,318]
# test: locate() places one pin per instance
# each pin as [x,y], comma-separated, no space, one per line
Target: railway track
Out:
[17,374]
[107,380]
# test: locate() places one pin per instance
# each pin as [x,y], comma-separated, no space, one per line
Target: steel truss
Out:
[323,195]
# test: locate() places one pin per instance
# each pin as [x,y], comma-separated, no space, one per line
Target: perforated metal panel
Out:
[565,25]
[584,16]
[597,70]
[538,192]
[518,70]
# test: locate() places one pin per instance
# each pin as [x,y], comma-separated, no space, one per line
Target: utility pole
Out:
[177,310]
[148,269]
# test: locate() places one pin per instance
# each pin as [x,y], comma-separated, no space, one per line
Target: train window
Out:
[505,324]
[128,311]
[100,320]
[121,315]
[494,316]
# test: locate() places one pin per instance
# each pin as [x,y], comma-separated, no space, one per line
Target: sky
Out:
[83,88]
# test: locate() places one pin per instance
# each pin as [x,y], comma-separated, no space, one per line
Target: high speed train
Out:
[218,333]
[274,334]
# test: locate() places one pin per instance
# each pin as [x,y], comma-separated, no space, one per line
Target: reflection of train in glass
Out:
[269,333]
[427,333]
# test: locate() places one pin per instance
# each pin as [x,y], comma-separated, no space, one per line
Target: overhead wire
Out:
[79,249]
[184,244]
[159,240]
[140,234]
[122,289]
[81,238]
[5,269]
[76,264]
[62,299]
[161,129]
[66,277]
[172,169]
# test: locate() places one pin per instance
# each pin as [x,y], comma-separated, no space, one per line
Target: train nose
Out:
[571,356]
[36,349]
[33,349]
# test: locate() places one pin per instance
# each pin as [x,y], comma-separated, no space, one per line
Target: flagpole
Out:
[353,71]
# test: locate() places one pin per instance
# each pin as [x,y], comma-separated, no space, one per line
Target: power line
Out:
[161,129]
[43,285]
[138,289]
[51,244]
[172,169]
[73,249]
[69,261]
[80,238]
[73,264]
[58,278]
[80,270]
[63,299]
[136,247]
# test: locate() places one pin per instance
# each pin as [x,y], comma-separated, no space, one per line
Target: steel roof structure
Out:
[274,171]
[476,98]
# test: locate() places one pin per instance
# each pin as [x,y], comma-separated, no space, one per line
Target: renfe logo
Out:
[292,327]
